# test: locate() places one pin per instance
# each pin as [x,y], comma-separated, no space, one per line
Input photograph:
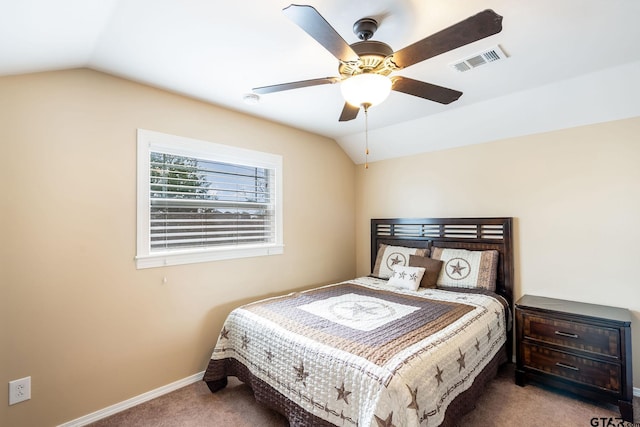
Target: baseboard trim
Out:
[144,397]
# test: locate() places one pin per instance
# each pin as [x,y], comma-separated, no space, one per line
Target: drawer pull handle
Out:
[566,334]
[562,365]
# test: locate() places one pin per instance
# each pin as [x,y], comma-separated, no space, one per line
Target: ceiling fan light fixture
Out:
[365,89]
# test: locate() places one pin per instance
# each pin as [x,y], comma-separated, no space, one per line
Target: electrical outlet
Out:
[19,390]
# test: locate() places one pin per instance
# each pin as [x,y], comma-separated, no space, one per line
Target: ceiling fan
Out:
[375,60]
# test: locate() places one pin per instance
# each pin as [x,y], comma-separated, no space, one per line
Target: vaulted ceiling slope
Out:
[569,62]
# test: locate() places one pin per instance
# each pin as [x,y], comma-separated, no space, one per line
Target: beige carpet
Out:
[504,404]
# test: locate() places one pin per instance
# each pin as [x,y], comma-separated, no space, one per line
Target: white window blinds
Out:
[199,201]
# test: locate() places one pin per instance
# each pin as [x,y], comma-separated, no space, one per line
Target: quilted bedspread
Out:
[360,353]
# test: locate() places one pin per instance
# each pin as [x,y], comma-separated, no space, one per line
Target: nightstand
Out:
[578,347]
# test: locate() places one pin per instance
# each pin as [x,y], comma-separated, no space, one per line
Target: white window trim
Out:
[157,141]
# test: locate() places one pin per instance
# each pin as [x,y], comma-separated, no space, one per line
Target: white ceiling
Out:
[571,62]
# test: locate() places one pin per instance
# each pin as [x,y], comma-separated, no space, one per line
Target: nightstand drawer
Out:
[579,369]
[574,335]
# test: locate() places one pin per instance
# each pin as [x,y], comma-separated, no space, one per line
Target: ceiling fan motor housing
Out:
[373,55]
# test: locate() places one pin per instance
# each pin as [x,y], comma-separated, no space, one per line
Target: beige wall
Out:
[575,196]
[77,316]
[92,330]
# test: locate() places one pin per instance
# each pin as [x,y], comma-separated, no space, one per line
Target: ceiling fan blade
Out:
[307,18]
[425,90]
[477,27]
[295,85]
[349,112]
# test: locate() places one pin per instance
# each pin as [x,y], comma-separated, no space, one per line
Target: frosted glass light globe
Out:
[365,89]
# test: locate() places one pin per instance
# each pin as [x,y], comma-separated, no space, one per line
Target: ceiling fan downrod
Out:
[365,28]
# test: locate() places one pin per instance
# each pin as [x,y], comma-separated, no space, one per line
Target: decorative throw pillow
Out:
[431,267]
[406,277]
[467,269]
[388,256]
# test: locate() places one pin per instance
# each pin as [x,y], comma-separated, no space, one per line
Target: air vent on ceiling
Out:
[474,61]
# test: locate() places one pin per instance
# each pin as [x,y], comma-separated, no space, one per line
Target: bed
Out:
[374,351]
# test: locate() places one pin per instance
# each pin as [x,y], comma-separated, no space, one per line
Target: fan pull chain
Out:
[366,136]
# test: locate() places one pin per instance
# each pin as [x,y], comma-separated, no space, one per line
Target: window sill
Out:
[190,257]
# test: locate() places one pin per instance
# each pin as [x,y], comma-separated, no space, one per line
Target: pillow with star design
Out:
[388,256]
[467,269]
[405,277]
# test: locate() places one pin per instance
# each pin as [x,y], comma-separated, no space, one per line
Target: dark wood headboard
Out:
[460,233]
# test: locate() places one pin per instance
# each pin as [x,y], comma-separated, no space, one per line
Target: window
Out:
[199,201]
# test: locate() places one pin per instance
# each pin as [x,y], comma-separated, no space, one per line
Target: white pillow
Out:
[405,277]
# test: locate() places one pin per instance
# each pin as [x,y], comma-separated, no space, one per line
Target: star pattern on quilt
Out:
[460,360]
[414,398]
[357,309]
[497,316]
[224,333]
[342,393]
[245,341]
[439,374]
[269,355]
[457,269]
[301,374]
[386,422]
[477,345]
